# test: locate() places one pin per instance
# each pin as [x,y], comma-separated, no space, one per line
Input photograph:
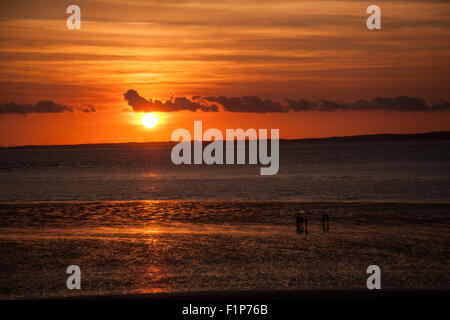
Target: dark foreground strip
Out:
[244,305]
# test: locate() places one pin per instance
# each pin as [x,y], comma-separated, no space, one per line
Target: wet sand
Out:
[174,248]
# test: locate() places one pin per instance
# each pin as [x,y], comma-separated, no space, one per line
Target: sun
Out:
[149,120]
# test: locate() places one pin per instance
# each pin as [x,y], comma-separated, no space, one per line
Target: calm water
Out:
[400,171]
[228,228]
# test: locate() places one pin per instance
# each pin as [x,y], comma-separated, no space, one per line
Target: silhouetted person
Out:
[323,222]
[299,223]
[327,222]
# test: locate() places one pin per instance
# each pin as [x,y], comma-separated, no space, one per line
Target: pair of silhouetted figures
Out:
[302,223]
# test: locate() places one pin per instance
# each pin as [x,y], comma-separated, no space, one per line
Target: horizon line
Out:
[430,134]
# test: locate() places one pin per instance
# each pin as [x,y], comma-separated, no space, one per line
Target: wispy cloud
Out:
[281,48]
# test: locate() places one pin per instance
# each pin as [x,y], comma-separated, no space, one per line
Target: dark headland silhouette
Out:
[437,135]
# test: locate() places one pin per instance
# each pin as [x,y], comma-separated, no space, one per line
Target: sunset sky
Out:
[300,66]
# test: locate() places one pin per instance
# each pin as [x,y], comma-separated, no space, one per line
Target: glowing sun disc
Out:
[149,120]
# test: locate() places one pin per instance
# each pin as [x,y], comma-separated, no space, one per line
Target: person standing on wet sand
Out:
[302,223]
[299,223]
[325,222]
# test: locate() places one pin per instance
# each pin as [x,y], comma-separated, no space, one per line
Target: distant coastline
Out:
[436,135]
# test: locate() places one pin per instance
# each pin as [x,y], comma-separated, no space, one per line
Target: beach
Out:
[175,247]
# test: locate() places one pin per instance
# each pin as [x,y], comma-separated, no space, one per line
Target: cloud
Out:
[247,104]
[46,106]
[140,104]
[399,104]
[88,108]
[254,104]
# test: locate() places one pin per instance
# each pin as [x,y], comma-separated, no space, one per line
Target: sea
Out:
[136,223]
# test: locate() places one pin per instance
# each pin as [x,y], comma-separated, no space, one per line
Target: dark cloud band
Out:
[46,106]
[253,104]
[140,104]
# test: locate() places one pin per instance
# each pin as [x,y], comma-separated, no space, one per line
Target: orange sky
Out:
[271,49]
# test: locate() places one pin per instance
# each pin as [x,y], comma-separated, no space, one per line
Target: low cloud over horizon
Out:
[45,106]
[254,104]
